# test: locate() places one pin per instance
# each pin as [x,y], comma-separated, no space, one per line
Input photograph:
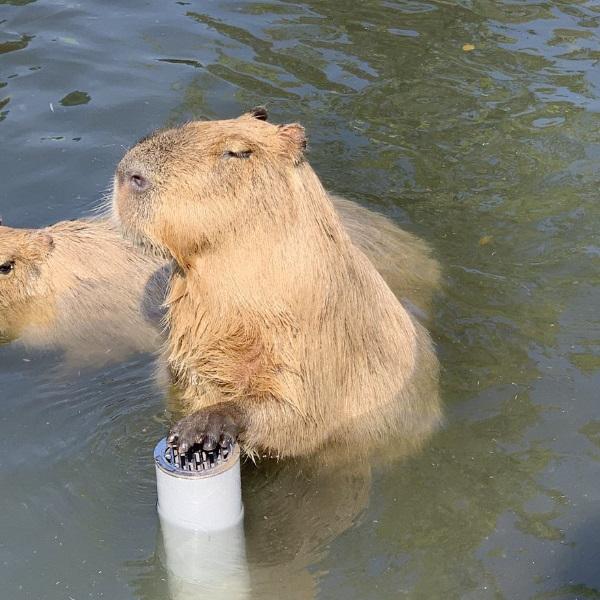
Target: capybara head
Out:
[23,254]
[191,188]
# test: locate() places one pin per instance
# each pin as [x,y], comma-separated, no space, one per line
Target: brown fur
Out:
[80,286]
[401,258]
[273,311]
[28,303]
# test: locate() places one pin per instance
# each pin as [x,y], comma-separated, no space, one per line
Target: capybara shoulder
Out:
[405,261]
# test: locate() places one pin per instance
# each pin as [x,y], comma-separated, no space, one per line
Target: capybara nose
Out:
[137,182]
[128,177]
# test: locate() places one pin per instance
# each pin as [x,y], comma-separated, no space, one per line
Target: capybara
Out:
[280,330]
[80,286]
[129,288]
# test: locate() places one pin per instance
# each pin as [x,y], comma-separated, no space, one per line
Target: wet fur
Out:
[273,311]
[80,286]
[113,273]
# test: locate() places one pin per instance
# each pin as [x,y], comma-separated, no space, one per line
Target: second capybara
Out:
[281,332]
[80,286]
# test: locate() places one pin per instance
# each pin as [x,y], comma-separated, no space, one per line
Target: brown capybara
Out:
[281,332]
[121,281]
[80,286]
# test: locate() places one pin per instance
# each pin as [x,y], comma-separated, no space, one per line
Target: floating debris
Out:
[76,98]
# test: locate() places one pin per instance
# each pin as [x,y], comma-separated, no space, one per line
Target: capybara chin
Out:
[80,286]
[281,331]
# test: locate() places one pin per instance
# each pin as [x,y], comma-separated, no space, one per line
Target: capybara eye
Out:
[138,182]
[7,268]
[237,154]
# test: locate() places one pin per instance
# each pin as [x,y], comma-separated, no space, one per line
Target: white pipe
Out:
[205,564]
[201,517]
[206,500]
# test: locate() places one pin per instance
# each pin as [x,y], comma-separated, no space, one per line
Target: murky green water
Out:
[490,154]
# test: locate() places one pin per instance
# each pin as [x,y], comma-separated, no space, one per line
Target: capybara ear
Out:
[43,244]
[259,112]
[293,139]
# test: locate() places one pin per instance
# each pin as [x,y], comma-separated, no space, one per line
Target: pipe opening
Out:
[195,462]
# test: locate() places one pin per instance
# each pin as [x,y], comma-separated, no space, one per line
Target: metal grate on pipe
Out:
[195,462]
[197,459]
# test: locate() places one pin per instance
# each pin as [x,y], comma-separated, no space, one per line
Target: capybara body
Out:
[280,330]
[99,278]
[80,286]
[401,258]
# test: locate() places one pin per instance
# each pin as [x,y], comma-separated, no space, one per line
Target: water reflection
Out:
[199,563]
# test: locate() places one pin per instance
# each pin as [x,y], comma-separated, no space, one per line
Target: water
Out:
[490,154]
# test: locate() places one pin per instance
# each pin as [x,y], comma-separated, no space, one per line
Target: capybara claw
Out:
[219,424]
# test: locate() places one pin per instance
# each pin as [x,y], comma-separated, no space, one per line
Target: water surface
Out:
[490,153]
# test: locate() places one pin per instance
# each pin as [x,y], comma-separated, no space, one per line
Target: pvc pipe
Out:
[203,500]
[205,564]
[201,517]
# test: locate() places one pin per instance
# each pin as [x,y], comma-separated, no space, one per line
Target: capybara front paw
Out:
[216,425]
